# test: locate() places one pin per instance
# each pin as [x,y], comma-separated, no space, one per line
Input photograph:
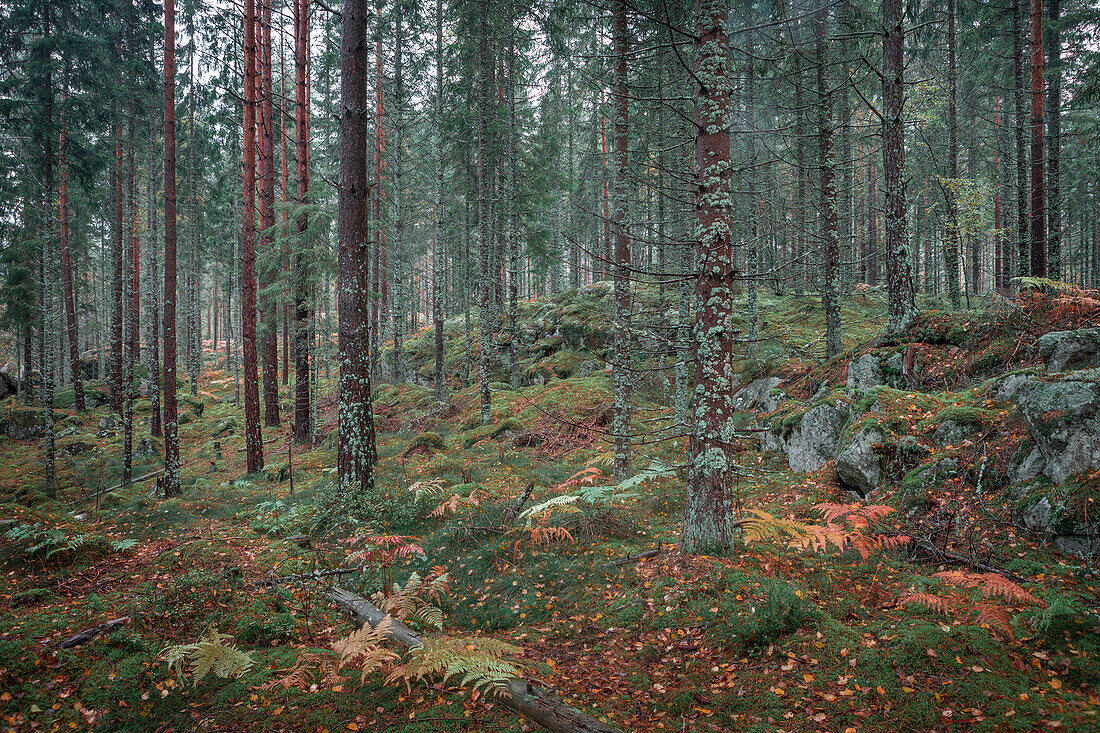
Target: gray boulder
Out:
[1064,351]
[814,442]
[588,368]
[757,395]
[1029,468]
[949,432]
[858,467]
[864,374]
[1064,419]
[25,423]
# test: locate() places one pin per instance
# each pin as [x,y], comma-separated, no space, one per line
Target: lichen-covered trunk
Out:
[830,225]
[171,425]
[254,456]
[1054,140]
[302,422]
[710,503]
[621,372]
[951,246]
[484,244]
[1023,259]
[1038,180]
[356,452]
[901,291]
[437,213]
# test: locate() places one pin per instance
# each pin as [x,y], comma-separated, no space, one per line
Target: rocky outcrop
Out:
[757,395]
[814,441]
[1063,418]
[25,423]
[1064,351]
[858,466]
[872,370]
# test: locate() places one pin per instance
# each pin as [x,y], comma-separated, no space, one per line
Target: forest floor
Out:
[765,638]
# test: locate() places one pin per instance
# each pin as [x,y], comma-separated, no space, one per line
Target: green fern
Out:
[1046,283]
[211,654]
[600,497]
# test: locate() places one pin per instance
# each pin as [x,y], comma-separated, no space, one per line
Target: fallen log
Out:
[520,695]
[138,480]
[83,637]
[277,579]
[517,505]
[632,558]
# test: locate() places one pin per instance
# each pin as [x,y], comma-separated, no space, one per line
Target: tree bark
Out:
[710,504]
[1023,258]
[171,426]
[484,244]
[951,252]
[302,427]
[269,314]
[356,450]
[437,214]
[830,225]
[1054,141]
[67,268]
[902,308]
[254,460]
[621,373]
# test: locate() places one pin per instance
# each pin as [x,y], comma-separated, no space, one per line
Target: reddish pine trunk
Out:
[710,505]
[67,272]
[356,451]
[171,426]
[254,456]
[1038,184]
[302,432]
[269,329]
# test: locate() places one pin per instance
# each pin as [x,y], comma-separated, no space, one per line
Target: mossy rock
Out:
[492,430]
[184,419]
[425,444]
[228,425]
[196,405]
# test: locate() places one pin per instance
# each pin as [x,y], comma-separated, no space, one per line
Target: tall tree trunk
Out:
[133,303]
[356,451]
[1038,181]
[621,373]
[1023,257]
[1054,141]
[117,283]
[437,213]
[67,267]
[378,255]
[484,244]
[302,423]
[152,301]
[830,225]
[399,283]
[171,426]
[44,134]
[269,314]
[512,222]
[254,456]
[951,253]
[710,509]
[193,347]
[902,309]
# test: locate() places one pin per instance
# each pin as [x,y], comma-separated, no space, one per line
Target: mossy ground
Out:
[765,638]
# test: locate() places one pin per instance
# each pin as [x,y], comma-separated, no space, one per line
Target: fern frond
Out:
[562,501]
[996,617]
[944,606]
[991,585]
[211,654]
[764,526]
